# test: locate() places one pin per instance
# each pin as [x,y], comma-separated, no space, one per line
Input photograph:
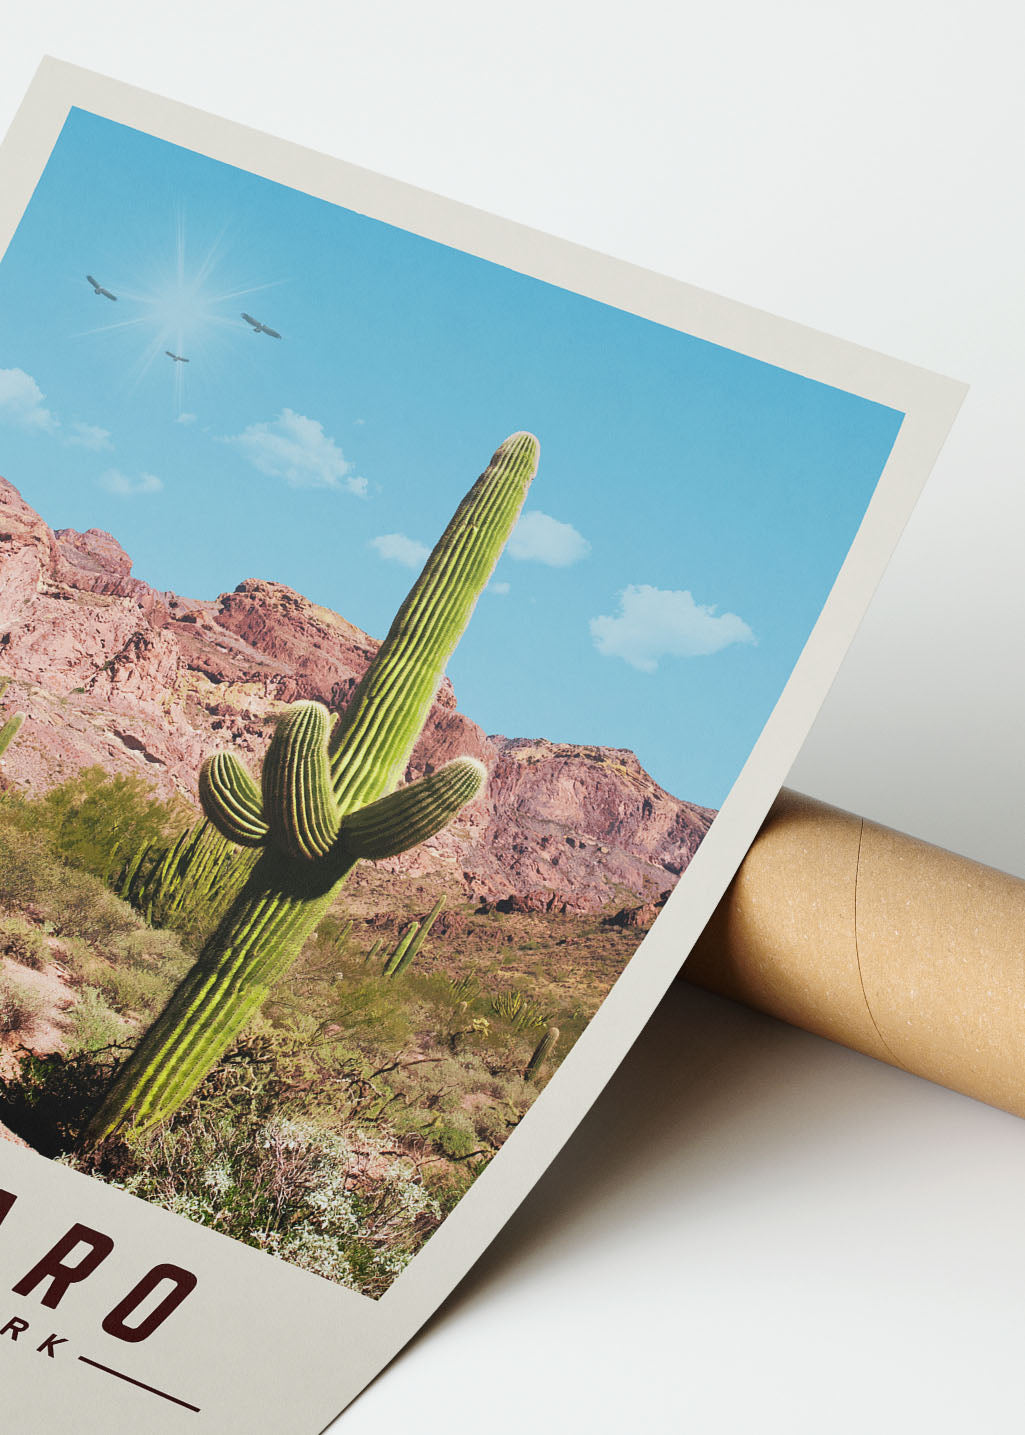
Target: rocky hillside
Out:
[111,671]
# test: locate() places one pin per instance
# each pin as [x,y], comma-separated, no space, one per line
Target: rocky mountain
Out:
[111,671]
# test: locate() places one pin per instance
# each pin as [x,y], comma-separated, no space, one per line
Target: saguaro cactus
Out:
[325,801]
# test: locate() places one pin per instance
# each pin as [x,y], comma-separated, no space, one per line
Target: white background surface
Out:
[754,1230]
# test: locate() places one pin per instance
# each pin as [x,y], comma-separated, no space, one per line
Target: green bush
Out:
[521,1012]
[455,1137]
[492,1125]
[154,948]
[133,991]
[83,907]
[96,819]
[32,874]
[91,1024]
[23,943]
[28,868]
[20,1008]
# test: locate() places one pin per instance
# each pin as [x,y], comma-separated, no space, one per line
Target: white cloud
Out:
[499,587]
[397,548]
[114,481]
[655,623]
[297,449]
[21,402]
[543,539]
[89,436]
[185,419]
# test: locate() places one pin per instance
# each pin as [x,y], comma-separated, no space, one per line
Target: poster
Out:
[407,620]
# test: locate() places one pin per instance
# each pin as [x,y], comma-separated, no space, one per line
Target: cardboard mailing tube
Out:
[878,941]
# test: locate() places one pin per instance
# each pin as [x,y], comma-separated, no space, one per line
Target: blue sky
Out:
[689,516]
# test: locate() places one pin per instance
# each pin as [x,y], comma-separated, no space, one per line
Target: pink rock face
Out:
[111,671]
[28,550]
[94,555]
[95,562]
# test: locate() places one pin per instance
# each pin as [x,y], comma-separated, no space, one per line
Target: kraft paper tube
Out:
[881,942]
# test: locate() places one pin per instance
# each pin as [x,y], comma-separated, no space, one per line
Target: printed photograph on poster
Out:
[383,627]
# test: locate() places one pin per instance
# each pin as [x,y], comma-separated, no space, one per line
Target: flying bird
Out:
[99,289]
[259,328]
[178,358]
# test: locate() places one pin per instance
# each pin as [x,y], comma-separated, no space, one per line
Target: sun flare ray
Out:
[182,310]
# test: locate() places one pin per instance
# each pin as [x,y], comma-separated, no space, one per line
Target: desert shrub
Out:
[333,933]
[453,1136]
[370,1012]
[511,1089]
[20,1008]
[84,907]
[341,1205]
[492,1124]
[23,943]
[85,966]
[50,1098]
[96,819]
[91,1025]
[153,947]
[73,902]
[132,990]
[28,869]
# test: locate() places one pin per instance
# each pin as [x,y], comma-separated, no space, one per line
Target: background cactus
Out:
[411,941]
[187,883]
[325,801]
[400,949]
[541,1052]
[9,729]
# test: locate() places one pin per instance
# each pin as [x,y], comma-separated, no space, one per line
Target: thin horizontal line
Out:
[140,1383]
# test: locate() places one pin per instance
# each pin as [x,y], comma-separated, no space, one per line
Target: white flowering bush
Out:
[345,1205]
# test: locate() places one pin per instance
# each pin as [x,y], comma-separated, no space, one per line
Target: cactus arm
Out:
[9,731]
[231,800]
[371,746]
[297,798]
[409,816]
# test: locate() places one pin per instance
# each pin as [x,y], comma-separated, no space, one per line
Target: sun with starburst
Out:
[182,313]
